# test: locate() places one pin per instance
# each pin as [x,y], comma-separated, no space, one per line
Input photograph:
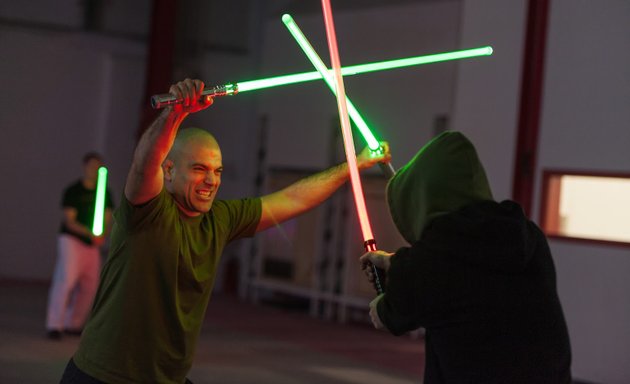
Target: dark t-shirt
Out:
[155,288]
[82,199]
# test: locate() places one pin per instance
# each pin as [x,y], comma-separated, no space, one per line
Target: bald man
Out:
[167,240]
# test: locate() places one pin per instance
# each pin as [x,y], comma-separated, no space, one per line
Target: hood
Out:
[445,175]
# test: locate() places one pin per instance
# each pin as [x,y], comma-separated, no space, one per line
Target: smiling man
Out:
[168,236]
[192,171]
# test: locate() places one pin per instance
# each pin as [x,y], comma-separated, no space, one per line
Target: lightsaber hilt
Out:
[379,274]
[387,168]
[165,99]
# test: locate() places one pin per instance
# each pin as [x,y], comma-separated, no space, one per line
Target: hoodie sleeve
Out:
[397,309]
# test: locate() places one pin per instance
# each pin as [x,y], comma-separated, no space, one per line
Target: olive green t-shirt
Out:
[155,288]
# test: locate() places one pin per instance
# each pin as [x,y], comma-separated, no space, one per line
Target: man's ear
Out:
[168,168]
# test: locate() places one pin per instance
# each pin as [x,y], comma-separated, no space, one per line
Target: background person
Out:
[76,274]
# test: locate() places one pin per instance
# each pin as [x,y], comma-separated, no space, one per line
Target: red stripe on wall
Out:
[532,83]
[159,69]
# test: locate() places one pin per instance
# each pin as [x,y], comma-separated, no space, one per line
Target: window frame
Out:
[550,202]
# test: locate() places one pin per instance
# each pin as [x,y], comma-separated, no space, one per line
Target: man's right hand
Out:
[97,241]
[190,91]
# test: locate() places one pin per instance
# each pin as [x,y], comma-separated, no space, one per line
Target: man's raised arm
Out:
[145,178]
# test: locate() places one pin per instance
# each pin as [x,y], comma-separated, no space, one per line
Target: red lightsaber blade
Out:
[369,243]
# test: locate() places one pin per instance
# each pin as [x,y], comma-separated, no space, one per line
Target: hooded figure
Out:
[478,275]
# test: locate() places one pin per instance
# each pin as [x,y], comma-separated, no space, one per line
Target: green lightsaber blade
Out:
[317,62]
[99,205]
[165,99]
[365,68]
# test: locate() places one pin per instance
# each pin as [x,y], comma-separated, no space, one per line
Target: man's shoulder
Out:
[73,191]
[237,203]
[74,186]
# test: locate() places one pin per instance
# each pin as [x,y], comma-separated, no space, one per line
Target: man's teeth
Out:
[204,193]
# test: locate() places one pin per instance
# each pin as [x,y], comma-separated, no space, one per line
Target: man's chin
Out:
[203,208]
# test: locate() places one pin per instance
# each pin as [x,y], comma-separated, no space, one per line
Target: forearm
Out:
[78,228]
[315,189]
[144,180]
[108,222]
[157,140]
[301,196]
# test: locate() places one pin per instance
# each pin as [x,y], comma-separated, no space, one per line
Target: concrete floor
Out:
[240,343]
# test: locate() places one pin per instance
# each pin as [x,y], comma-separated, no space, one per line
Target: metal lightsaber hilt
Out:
[379,274]
[166,99]
[387,168]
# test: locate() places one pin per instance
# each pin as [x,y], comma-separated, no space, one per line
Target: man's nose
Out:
[211,178]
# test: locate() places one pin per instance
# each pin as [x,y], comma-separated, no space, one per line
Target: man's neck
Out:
[88,183]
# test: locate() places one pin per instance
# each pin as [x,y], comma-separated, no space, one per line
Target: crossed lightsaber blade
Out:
[166,99]
[346,108]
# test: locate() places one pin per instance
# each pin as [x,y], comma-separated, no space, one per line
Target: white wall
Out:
[64,93]
[586,126]
[488,90]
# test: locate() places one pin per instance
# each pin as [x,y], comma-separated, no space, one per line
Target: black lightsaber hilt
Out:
[379,274]
[388,169]
[165,99]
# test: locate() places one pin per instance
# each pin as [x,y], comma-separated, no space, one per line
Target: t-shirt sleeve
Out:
[68,199]
[109,201]
[397,307]
[242,215]
[131,217]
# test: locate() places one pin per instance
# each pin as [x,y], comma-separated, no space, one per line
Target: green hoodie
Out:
[443,176]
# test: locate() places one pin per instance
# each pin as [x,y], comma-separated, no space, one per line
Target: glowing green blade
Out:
[99,206]
[299,37]
[365,68]
[166,99]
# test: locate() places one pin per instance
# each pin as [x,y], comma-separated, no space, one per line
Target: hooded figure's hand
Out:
[380,259]
[376,321]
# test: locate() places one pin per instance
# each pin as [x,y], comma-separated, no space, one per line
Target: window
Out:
[586,206]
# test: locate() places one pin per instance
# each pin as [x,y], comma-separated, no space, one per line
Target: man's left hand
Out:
[368,158]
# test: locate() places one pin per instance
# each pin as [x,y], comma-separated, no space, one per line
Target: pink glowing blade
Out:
[355,180]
